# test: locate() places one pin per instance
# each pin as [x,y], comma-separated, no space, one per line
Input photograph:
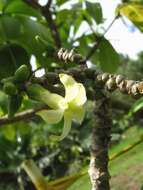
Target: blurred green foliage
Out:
[19,25]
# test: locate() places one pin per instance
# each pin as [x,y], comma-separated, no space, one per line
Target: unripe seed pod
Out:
[119,79]
[22,74]
[9,88]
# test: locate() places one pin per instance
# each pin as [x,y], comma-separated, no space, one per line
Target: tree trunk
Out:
[98,169]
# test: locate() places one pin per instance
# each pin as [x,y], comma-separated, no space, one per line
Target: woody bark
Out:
[98,169]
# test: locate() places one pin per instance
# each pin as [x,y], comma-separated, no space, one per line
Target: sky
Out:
[123,36]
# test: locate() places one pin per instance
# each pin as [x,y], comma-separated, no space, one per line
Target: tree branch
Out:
[109,81]
[34,4]
[98,169]
[52,25]
[48,4]
[45,10]
[21,116]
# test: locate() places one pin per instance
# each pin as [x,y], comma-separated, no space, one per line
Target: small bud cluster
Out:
[113,82]
[70,56]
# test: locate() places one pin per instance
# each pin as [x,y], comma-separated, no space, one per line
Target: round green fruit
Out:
[22,74]
[9,88]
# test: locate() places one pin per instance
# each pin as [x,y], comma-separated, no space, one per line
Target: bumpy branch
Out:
[98,169]
[109,81]
[46,12]
[70,56]
[113,82]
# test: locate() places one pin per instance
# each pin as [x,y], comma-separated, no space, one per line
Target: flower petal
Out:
[77,113]
[51,116]
[55,101]
[71,86]
[66,128]
[81,98]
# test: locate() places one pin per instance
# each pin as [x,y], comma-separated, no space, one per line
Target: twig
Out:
[99,40]
[21,116]
[48,4]
[54,31]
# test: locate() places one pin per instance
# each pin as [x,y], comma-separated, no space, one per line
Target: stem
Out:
[21,116]
[98,169]
[99,40]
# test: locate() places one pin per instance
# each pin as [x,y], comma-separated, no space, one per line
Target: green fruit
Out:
[22,74]
[14,104]
[8,79]
[9,88]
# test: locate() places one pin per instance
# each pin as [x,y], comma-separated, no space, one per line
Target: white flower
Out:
[71,107]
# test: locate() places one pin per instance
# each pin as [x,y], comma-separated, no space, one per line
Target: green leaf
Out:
[10,28]
[22,30]
[74,18]
[60,2]
[136,107]
[3,101]
[9,132]
[84,41]
[19,7]
[106,57]
[11,57]
[133,11]
[1,5]
[95,11]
